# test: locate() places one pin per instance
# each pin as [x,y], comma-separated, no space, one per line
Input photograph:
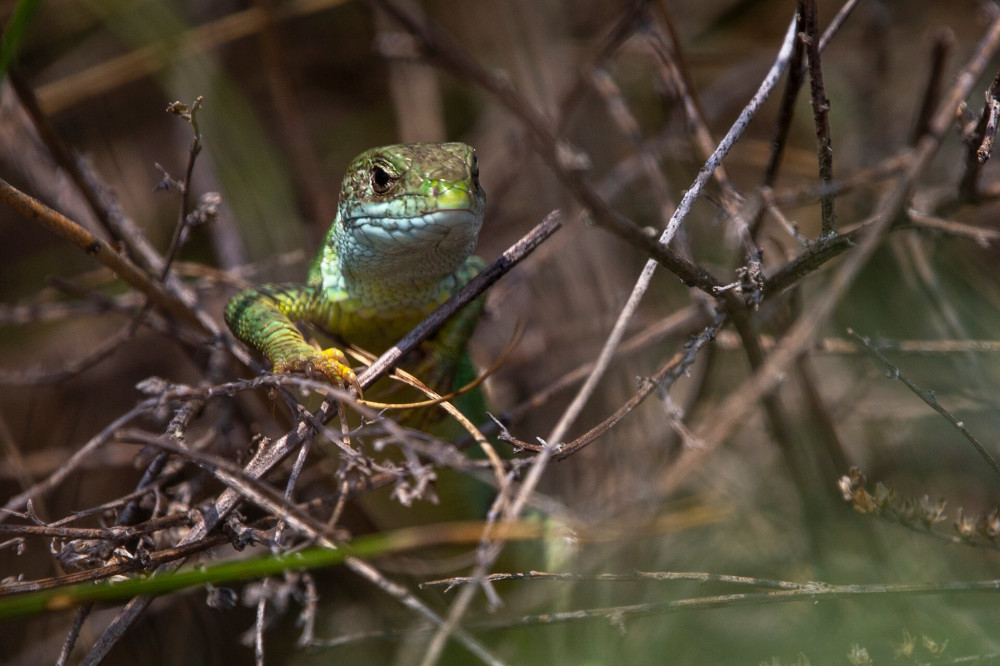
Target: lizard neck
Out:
[419,278]
[395,291]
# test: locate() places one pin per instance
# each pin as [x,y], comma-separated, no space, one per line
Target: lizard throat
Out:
[401,262]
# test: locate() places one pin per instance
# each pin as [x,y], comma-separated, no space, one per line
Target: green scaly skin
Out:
[400,245]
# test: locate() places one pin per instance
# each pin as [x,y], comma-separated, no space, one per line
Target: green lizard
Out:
[400,245]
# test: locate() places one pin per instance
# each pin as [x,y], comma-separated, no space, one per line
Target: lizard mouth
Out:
[412,233]
[417,248]
[446,215]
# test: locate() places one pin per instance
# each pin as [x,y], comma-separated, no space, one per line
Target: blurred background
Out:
[294,89]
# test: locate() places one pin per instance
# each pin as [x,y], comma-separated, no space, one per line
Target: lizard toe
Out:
[329,363]
[335,367]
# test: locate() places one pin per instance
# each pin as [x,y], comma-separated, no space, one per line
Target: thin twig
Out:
[800,337]
[929,398]
[786,111]
[558,153]
[466,295]
[104,77]
[968,187]
[821,109]
[63,226]
[628,125]
[813,593]
[632,16]
[655,576]
[401,594]
[189,114]
[982,236]
[663,379]
[732,136]
[571,413]
[99,197]
[992,111]
[671,59]
[300,461]
[161,557]
[489,550]
[73,634]
[863,178]
[250,488]
[727,340]
[267,457]
[680,324]
[70,368]
[942,42]
[18,502]
[115,534]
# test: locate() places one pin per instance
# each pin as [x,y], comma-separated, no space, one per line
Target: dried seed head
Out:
[846,488]
[884,497]
[989,524]
[932,646]
[965,526]
[858,478]
[931,512]
[864,502]
[905,649]
[858,656]
[908,511]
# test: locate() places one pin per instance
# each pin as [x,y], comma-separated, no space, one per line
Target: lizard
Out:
[400,244]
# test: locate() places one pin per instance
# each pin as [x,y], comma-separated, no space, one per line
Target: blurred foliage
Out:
[294,88]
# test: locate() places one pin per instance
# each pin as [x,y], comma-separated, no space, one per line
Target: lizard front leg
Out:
[265,317]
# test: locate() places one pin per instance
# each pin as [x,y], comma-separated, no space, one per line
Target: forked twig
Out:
[266,458]
[800,337]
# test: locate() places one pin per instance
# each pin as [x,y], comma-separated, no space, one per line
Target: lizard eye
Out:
[381,180]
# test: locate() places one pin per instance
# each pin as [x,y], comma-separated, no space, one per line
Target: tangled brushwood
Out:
[727,251]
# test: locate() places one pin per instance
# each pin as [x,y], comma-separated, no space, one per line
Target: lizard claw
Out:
[331,363]
[335,367]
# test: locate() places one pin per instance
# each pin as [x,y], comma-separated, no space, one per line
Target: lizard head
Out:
[409,212]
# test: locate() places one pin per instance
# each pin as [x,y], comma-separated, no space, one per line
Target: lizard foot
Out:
[331,363]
